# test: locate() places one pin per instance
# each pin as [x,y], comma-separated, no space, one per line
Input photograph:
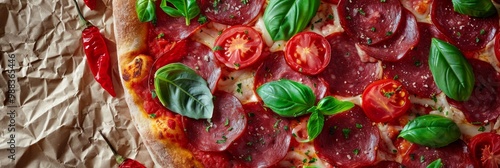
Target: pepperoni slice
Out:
[201,59]
[396,48]
[457,154]
[231,12]
[227,123]
[465,32]
[173,55]
[276,68]
[332,1]
[348,139]
[266,140]
[387,164]
[174,28]
[484,103]
[497,46]
[368,21]
[413,71]
[346,74]
[213,159]
[195,55]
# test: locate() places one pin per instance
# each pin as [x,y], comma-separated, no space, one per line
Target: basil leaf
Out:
[315,125]
[182,90]
[145,10]
[330,105]
[452,72]
[187,8]
[285,18]
[431,131]
[435,164]
[476,8]
[287,98]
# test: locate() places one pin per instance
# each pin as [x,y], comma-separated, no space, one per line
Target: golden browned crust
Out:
[130,33]
[131,41]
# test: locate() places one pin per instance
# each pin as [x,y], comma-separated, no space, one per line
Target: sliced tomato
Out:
[485,148]
[385,100]
[308,53]
[497,46]
[238,47]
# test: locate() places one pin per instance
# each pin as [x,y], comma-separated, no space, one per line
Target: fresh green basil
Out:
[315,125]
[435,164]
[476,8]
[285,18]
[330,105]
[287,98]
[291,99]
[145,10]
[186,8]
[431,131]
[452,72]
[182,90]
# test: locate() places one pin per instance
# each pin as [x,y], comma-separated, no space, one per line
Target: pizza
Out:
[310,83]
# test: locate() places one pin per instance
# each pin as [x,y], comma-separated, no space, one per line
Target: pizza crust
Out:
[131,40]
[134,41]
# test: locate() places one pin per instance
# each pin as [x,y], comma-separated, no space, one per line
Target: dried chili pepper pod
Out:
[98,57]
[91,4]
[124,162]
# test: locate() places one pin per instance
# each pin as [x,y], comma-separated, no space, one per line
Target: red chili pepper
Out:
[91,4]
[124,162]
[129,163]
[98,57]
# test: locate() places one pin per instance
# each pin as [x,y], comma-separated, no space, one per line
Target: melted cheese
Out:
[240,84]
[261,27]
[304,153]
[419,8]
[209,33]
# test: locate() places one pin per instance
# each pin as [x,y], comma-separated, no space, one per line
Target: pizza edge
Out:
[130,48]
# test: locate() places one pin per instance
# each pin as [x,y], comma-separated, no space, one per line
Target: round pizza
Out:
[313,83]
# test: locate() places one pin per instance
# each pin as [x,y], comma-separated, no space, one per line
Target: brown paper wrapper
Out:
[51,108]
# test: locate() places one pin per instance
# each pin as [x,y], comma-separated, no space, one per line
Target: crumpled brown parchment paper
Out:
[51,108]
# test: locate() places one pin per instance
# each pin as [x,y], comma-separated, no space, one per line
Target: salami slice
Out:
[266,140]
[213,159]
[370,22]
[231,12]
[396,47]
[227,123]
[276,68]
[348,139]
[465,32]
[195,55]
[174,28]
[346,74]
[413,71]
[387,164]
[456,154]
[201,59]
[484,103]
[175,54]
[332,1]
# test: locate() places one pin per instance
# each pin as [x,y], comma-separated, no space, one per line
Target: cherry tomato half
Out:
[497,46]
[385,100]
[308,53]
[238,47]
[485,148]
